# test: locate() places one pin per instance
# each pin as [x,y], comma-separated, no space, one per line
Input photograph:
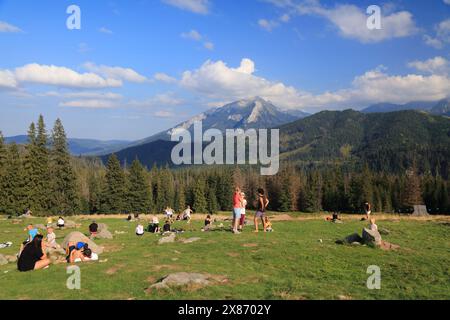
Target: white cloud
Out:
[267,25]
[218,82]
[105,30]
[89,103]
[117,73]
[437,65]
[351,21]
[164,78]
[83,95]
[447,1]
[6,27]
[192,35]
[196,36]
[442,35]
[209,45]
[62,76]
[164,114]
[196,6]
[7,79]
[163,99]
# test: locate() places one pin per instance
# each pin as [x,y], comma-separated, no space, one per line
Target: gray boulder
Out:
[77,236]
[371,237]
[3,260]
[11,258]
[182,279]
[169,239]
[190,240]
[104,234]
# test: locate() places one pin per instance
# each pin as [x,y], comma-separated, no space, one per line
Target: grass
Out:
[290,263]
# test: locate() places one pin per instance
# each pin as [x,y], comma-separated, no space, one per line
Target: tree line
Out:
[44,177]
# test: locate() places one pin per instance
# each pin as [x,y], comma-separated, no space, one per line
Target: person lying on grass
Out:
[32,256]
[80,252]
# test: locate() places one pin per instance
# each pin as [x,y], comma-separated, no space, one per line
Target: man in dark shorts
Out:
[261,209]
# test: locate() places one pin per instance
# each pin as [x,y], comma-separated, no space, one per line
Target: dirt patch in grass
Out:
[160,267]
[233,254]
[289,296]
[109,247]
[113,270]
[250,245]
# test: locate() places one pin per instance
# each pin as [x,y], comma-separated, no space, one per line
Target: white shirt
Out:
[140,229]
[60,222]
[187,213]
[244,203]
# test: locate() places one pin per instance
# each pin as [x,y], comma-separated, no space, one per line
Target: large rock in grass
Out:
[184,278]
[77,236]
[3,260]
[104,234]
[371,237]
[169,239]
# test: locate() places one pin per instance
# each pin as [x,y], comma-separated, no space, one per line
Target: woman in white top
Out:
[140,230]
[244,204]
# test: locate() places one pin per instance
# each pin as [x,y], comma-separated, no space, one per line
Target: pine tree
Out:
[139,189]
[180,198]
[199,199]
[413,191]
[114,192]
[42,169]
[13,186]
[3,156]
[95,185]
[64,197]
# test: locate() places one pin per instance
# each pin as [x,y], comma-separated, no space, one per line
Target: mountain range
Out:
[441,107]
[83,147]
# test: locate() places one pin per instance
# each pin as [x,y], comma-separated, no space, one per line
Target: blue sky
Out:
[138,67]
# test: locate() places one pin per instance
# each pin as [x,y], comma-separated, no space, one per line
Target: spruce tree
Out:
[114,192]
[13,195]
[180,198]
[64,197]
[3,156]
[199,197]
[139,189]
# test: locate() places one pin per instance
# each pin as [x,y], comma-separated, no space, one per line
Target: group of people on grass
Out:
[33,251]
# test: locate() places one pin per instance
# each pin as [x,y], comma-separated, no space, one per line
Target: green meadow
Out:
[299,260]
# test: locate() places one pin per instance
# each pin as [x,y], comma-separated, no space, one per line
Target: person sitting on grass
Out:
[166,227]
[267,225]
[187,214]
[208,223]
[372,225]
[51,238]
[60,223]
[140,230]
[32,256]
[153,227]
[32,232]
[93,228]
[129,218]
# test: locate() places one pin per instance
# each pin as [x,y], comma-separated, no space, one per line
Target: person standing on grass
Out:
[367,210]
[263,202]
[244,204]
[237,209]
